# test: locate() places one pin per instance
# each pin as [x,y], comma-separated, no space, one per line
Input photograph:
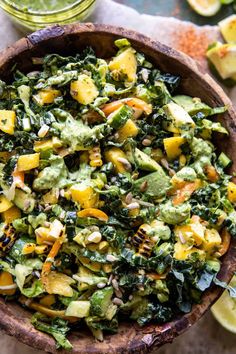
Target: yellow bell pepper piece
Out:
[172,146]
[47,311]
[6,279]
[5,204]
[48,300]
[11,214]
[59,283]
[28,162]
[84,89]
[93,213]
[46,96]
[7,121]
[231,192]
[84,195]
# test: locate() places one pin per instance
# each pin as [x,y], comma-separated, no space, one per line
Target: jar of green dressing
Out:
[31,15]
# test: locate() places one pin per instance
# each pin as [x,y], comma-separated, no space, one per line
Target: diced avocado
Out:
[187,174]
[87,279]
[158,183]
[178,118]
[118,118]
[100,301]
[192,105]
[111,311]
[174,214]
[78,308]
[140,309]
[24,201]
[223,57]
[143,161]
[228,28]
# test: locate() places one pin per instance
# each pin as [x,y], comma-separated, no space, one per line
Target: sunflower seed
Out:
[146,142]
[132,206]
[101,285]
[111,258]
[125,163]
[117,301]
[115,284]
[128,198]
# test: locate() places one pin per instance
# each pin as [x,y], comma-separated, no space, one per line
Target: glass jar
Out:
[32,18]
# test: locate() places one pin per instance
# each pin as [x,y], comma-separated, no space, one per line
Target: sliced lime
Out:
[224,309]
[205,7]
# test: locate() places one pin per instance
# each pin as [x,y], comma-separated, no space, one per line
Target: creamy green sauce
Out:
[43,5]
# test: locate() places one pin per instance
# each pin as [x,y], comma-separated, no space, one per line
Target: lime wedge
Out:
[228,28]
[224,309]
[205,7]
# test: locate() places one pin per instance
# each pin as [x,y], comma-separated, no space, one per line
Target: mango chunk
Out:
[51,197]
[11,214]
[183,252]
[129,130]
[7,121]
[5,204]
[84,195]
[231,189]
[46,96]
[114,155]
[125,63]
[84,89]
[173,146]
[28,162]
[191,232]
[212,240]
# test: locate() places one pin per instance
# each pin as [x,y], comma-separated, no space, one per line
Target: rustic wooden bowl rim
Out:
[130,339]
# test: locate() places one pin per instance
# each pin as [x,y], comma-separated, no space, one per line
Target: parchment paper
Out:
[171,32]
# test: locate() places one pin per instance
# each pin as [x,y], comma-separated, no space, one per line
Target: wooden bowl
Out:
[14,320]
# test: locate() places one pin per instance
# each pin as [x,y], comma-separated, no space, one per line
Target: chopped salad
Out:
[114,203]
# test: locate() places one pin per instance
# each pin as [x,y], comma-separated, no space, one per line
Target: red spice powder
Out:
[192,42]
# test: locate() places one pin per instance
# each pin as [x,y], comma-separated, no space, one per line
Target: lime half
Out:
[205,7]
[224,309]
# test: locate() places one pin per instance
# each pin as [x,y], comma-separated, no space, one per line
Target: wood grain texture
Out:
[15,320]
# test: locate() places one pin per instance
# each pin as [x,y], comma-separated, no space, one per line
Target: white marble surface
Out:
[206,336]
